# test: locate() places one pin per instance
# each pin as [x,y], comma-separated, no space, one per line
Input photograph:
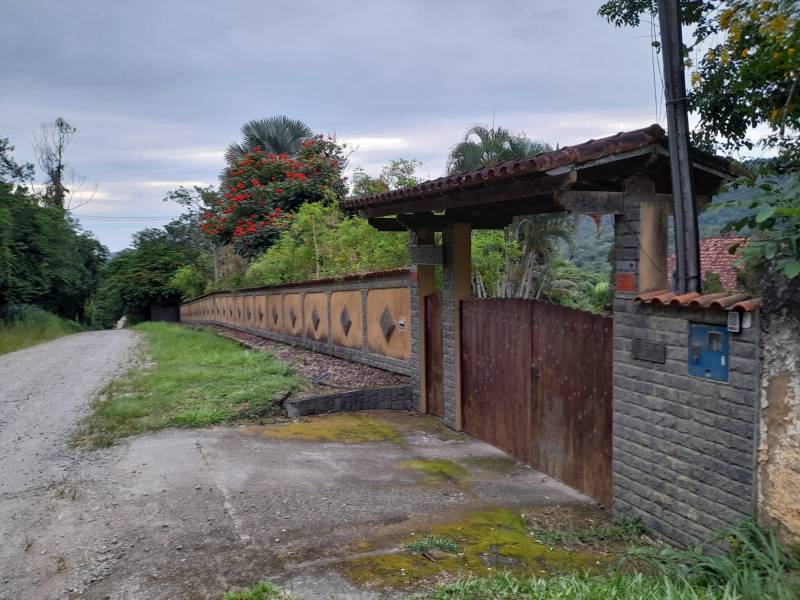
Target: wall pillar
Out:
[457,287]
[423,283]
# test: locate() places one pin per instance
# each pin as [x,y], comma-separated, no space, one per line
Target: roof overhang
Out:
[588,177]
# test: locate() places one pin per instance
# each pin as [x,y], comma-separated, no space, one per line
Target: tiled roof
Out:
[714,257]
[569,155]
[722,301]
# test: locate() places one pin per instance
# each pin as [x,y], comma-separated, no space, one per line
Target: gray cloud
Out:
[158,89]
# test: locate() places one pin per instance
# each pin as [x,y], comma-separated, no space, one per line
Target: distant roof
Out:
[606,162]
[715,257]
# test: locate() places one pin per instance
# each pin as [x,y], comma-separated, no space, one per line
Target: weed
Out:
[264,590]
[191,378]
[576,586]
[754,564]
[61,562]
[426,544]
[66,489]
[624,530]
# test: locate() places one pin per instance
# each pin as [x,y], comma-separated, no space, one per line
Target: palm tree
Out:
[539,236]
[278,135]
[484,147]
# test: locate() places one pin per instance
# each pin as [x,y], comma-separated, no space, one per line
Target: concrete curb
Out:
[395,397]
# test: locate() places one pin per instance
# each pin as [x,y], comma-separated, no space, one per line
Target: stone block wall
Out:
[306,314]
[684,447]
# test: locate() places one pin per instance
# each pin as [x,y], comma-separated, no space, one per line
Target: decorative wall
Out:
[366,318]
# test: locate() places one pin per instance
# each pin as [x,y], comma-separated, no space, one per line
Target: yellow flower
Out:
[726,17]
[745,53]
[695,78]
[725,58]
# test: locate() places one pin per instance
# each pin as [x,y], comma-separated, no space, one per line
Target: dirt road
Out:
[44,392]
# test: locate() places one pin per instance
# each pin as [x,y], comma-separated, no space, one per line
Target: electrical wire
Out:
[104,218]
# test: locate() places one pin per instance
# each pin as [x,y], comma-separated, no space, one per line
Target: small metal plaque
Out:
[650,351]
[426,255]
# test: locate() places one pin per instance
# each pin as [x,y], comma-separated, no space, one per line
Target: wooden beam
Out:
[386,224]
[481,195]
[583,202]
[409,222]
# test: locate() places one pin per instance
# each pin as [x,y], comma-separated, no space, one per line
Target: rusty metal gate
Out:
[536,382]
[434,355]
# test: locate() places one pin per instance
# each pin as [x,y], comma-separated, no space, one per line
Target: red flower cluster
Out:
[259,192]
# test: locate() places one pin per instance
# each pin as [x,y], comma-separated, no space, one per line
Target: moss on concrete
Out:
[490,541]
[493,464]
[438,470]
[350,428]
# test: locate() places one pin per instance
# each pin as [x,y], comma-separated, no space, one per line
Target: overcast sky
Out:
[157,89]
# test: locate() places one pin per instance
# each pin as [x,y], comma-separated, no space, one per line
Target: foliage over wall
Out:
[322,242]
[261,191]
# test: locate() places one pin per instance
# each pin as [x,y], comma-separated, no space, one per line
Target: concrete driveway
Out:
[191,514]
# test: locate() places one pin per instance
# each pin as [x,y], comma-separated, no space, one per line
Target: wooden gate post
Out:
[457,287]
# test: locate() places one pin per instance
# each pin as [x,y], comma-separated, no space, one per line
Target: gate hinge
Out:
[536,367]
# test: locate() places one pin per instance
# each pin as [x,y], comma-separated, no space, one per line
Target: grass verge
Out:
[191,379]
[24,325]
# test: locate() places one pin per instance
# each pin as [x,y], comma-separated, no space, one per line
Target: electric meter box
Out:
[709,351]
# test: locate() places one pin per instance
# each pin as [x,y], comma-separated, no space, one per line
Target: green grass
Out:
[189,378]
[573,587]
[264,590]
[25,325]
[624,530]
[426,544]
[753,566]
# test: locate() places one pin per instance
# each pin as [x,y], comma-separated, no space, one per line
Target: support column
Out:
[457,287]
[653,224]
[423,283]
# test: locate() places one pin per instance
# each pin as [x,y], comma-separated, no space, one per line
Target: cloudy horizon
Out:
[158,90]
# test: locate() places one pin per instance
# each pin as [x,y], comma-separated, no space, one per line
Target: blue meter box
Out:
[709,351]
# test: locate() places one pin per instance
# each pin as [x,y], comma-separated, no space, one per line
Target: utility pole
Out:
[687,238]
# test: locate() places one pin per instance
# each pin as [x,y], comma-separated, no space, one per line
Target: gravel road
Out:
[44,392]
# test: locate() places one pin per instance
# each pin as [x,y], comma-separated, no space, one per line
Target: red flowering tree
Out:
[260,192]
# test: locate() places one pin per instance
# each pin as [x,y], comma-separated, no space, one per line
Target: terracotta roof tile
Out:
[720,301]
[714,257]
